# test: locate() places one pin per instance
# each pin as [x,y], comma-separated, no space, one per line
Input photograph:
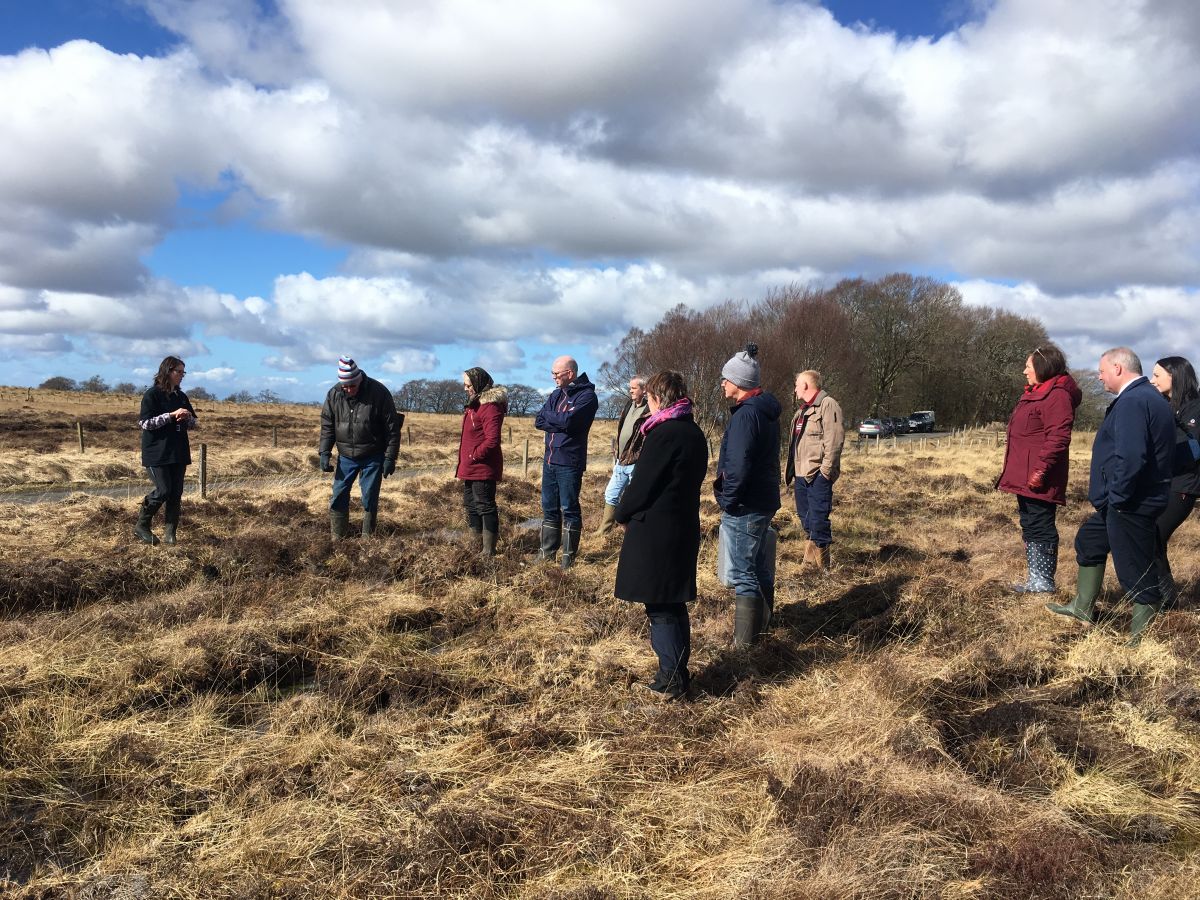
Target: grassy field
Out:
[258,712]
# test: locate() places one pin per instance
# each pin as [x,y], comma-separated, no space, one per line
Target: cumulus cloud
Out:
[216,373]
[409,362]
[545,169]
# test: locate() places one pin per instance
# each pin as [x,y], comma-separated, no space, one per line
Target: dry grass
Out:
[259,712]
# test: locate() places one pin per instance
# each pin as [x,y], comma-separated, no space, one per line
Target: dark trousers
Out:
[1132,539]
[168,490]
[560,496]
[1037,520]
[479,500]
[1179,507]
[814,501]
[671,638]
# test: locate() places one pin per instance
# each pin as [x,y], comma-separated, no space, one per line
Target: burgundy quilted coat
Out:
[1039,436]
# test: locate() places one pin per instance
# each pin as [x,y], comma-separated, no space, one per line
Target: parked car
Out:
[871,428]
[900,425]
[921,420]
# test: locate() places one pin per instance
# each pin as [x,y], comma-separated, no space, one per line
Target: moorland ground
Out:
[261,712]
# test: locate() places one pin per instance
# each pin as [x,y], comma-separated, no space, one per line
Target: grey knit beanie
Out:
[742,368]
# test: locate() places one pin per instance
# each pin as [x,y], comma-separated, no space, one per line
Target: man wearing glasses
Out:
[566,417]
[359,416]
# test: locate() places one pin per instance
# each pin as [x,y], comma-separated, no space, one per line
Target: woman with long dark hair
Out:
[1035,460]
[166,418]
[480,460]
[1176,380]
[660,510]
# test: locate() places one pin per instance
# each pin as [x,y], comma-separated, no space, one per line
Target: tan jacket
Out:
[820,449]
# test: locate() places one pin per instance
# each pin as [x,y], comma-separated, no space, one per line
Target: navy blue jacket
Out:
[748,467]
[1133,453]
[566,417]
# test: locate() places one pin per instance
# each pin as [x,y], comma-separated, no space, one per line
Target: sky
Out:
[259,186]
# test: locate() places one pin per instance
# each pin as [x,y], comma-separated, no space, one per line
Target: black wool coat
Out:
[661,506]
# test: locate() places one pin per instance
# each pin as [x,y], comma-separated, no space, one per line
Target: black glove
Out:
[389,466]
[326,465]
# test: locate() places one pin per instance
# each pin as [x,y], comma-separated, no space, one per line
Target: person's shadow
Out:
[803,634]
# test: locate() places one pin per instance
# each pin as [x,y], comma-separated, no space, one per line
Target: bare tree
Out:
[94,385]
[523,399]
[59,383]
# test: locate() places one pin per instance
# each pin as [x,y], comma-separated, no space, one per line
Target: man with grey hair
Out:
[566,417]
[627,445]
[1128,486]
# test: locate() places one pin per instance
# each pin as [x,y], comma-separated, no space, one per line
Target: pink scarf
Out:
[677,410]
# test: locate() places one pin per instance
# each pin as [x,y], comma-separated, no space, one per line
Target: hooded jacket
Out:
[479,454]
[363,427]
[748,467]
[1039,439]
[566,417]
[1134,452]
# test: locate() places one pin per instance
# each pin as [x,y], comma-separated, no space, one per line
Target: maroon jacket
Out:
[479,455]
[1039,437]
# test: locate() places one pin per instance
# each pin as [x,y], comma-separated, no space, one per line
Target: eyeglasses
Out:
[180,371]
[559,374]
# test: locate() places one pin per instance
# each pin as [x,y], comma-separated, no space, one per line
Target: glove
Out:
[389,466]
[326,465]
[1037,481]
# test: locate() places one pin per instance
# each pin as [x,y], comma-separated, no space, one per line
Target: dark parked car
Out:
[921,420]
[900,425]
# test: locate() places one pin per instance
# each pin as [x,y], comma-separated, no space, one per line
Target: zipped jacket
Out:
[362,427]
[1039,440]
[168,444]
[819,449]
[1187,425]
[748,467]
[479,454]
[1134,452]
[566,417]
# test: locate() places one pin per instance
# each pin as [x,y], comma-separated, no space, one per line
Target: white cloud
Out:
[553,170]
[218,374]
[409,362]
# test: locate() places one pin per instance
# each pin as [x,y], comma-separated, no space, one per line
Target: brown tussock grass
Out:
[259,712]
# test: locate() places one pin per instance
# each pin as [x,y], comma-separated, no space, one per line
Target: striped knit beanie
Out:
[348,371]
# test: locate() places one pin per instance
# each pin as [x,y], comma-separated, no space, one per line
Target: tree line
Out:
[97,385]
[445,395]
[884,347]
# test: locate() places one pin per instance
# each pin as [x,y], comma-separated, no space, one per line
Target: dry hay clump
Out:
[263,712]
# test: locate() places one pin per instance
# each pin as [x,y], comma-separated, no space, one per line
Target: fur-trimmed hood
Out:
[497,393]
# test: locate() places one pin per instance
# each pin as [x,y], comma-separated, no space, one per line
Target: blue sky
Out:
[258,187]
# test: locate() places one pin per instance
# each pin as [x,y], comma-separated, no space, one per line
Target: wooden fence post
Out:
[525,458]
[408,431]
[274,435]
[203,470]
[79,431]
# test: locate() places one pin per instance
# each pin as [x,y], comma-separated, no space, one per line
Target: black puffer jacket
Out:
[363,427]
[168,445]
[1187,425]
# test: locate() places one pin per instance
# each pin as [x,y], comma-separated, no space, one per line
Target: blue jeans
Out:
[369,471]
[744,546]
[813,504]
[560,495]
[616,485]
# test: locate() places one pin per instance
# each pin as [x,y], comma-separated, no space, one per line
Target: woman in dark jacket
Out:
[1036,460]
[661,512]
[1176,380]
[480,460]
[166,418]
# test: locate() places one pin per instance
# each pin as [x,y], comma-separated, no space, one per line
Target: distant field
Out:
[258,712]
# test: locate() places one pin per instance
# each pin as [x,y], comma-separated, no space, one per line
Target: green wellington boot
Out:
[1143,615]
[368,523]
[142,529]
[1087,589]
[339,523]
